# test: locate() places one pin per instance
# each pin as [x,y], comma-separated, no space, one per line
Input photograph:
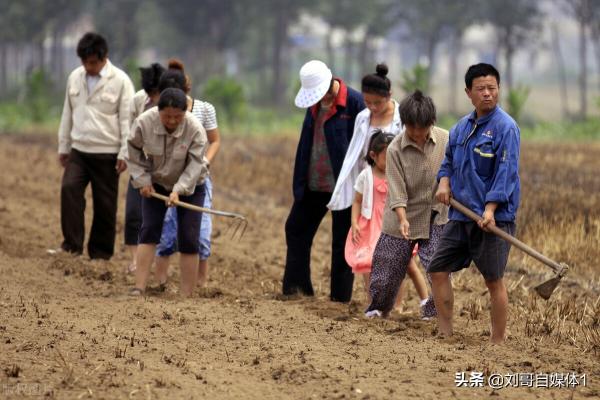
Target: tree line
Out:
[255,42]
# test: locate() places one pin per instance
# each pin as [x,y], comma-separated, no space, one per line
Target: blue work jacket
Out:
[482,162]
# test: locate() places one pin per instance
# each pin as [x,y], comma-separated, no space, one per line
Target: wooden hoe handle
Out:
[558,268]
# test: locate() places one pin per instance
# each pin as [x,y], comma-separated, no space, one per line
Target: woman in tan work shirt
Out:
[166,155]
[412,215]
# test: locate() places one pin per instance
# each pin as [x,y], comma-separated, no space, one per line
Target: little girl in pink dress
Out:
[367,208]
[366,220]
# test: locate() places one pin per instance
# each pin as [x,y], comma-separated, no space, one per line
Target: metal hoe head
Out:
[238,226]
[548,287]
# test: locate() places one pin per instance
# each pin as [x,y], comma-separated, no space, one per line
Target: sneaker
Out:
[135,292]
[374,314]
[428,310]
[58,250]
[160,288]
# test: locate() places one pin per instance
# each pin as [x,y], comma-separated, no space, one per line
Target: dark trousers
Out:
[188,221]
[99,170]
[133,215]
[300,229]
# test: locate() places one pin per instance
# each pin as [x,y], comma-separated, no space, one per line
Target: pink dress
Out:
[360,256]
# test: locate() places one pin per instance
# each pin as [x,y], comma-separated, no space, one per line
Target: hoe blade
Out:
[546,289]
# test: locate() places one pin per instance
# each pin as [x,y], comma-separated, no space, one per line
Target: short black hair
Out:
[92,44]
[378,143]
[377,83]
[172,78]
[173,97]
[151,77]
[417,110]
[479,70]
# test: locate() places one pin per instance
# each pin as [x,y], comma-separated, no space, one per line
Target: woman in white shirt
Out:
[381,114]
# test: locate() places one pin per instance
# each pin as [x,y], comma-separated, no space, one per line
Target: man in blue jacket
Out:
[481,171]
[326,132]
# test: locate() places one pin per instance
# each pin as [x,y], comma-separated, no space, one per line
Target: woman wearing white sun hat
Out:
[326,133]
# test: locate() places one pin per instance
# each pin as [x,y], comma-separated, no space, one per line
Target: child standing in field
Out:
[367,213]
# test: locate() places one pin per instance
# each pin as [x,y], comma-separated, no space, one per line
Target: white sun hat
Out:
[315,78]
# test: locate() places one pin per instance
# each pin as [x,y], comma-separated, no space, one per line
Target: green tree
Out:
[430,22]
[228,96]
[378,19]
[595,32]
[38,99]
[207,31]
[415,79]
[581,11]
[24,26]
[360,24]
[516,99]
[461,15]
[517,23]
[12,31]
[345,16]
[115,20]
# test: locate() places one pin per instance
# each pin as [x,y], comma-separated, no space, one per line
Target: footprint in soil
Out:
[210,293]
[13,371]
[105,276]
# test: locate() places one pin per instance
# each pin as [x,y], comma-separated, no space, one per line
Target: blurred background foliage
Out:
[244,56]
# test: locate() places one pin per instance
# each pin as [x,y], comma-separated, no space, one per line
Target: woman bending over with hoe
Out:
[166,155]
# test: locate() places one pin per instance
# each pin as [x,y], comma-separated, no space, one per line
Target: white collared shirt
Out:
[343,193]
[92,80]
[96,122]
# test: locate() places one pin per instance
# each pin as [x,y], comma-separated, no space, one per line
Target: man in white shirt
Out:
[92,144]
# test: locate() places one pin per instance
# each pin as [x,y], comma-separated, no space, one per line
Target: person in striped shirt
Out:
[206,114]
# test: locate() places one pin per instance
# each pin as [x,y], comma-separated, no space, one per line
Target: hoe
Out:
[545,289]
[239,223]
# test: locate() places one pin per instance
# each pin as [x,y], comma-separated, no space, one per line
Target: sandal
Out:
[136,292]
[131,268]
[161,288]
[374,314]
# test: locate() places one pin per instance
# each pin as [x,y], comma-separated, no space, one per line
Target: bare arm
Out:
[444,193]
[356,207]
[404,224]
[214,143]
[488,216]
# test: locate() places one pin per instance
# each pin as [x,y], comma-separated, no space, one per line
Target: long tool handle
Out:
[198,209]
[509,238]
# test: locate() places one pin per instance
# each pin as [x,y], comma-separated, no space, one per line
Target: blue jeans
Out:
[168,239]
